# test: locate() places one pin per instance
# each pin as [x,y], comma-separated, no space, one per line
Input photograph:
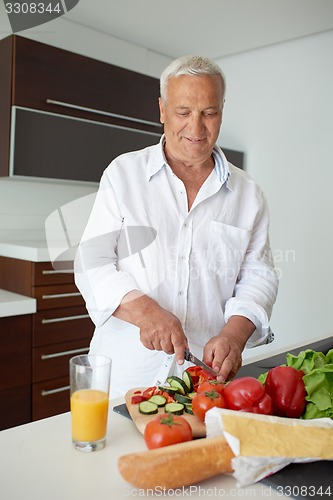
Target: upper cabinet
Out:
[67,116]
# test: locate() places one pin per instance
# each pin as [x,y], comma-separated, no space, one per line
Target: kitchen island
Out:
[38,461]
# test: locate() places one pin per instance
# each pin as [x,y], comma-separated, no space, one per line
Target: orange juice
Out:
[89,409]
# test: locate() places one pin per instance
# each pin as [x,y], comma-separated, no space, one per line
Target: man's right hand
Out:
[159,329]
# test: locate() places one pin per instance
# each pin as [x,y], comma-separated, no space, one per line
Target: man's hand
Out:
[159,328]
[224,352]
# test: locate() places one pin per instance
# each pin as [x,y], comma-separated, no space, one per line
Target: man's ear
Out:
[161,106]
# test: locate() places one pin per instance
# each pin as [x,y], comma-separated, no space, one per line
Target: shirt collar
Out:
[157,161]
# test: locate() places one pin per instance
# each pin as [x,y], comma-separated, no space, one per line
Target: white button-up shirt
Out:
[205,264]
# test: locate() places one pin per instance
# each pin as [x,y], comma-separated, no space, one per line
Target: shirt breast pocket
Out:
[227,247]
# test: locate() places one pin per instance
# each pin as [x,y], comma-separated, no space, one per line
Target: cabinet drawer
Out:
[50,398]
[61,325]
[57,296]
[44,274]
[52,361]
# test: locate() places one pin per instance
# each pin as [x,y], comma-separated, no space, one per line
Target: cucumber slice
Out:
[188,409]
[188,381]
[178,384]
[192,394]
[168,389]
[174,408]
[148,408]
[158,400]
[182,399]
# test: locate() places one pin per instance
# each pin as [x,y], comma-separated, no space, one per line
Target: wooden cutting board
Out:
[140,420]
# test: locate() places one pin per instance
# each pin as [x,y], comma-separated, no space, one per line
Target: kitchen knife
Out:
[193,359]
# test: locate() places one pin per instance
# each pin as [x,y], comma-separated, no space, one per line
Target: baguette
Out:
[177,465]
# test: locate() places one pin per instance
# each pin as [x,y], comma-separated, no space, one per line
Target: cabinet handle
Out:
[65,318]
[57,271]
[100,112]
[63,353]
[54,391]
[61,295]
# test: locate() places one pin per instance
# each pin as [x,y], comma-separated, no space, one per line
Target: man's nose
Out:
[196,125]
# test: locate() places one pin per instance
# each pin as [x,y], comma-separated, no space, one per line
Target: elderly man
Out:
[176,251]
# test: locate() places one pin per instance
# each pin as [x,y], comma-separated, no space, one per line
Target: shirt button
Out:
[183,257]
[180,292]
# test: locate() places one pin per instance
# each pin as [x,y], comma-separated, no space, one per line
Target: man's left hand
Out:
[224,351]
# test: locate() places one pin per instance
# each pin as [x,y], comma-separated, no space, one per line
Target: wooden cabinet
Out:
[15,380]
[51,80]
[60,329]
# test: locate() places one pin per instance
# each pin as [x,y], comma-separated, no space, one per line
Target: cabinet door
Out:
[15,362]
[15,407]
[15,351]
[45,73]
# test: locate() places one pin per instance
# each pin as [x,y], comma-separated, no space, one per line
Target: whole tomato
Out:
[204,401]
[247,394]
[211,385]
[167,429]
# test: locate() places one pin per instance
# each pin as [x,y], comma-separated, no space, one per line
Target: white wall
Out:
[279,110]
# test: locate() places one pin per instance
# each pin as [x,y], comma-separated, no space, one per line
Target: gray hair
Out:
[189,65]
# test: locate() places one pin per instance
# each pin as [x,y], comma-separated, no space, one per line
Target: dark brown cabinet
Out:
[15,362]
[46,83]
[60,329]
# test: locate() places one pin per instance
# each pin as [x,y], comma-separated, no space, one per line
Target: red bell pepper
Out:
[286,387]
[247,394]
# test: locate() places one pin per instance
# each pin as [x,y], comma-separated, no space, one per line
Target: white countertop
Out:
[38,461]
[14,304]
[34,250]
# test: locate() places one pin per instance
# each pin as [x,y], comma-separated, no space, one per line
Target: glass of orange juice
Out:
[89,392]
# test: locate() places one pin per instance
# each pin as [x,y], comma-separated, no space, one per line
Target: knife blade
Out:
[196,361]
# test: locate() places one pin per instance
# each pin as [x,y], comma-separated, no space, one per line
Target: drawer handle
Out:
[65,318]
[63,353]
[57,271]
[54,391]
[105,113]
[61,295]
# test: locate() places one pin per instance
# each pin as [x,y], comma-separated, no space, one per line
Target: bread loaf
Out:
[177,465]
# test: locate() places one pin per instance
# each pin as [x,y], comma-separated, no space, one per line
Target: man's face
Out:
[192,117]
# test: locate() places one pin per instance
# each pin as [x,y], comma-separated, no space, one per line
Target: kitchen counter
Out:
[38,461]
[33,250]
[14,304]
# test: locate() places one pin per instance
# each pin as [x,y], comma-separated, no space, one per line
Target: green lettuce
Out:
[318,380]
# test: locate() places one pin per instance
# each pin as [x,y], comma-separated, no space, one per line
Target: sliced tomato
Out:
[138,399]
[150,391]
